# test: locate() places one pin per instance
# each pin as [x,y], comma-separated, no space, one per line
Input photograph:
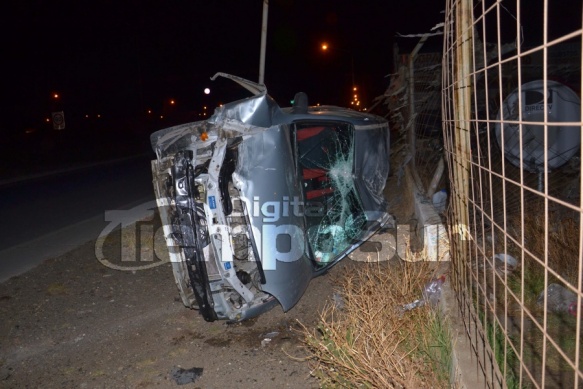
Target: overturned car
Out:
[257,200]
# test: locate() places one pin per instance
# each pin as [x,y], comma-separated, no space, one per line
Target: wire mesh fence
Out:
[414,103]
[511,111]
[425,88]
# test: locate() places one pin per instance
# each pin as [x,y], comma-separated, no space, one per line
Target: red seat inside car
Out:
[314,178]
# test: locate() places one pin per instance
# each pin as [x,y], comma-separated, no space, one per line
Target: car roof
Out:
[262,110]
[330,112]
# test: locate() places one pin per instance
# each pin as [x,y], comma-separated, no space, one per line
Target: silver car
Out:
[257,200]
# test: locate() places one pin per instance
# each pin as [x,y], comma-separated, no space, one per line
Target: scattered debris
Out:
[505,263]
[431,295]
[432,291]
[413,305]
[558,299]
[338,300]
[186,376]
[5,373]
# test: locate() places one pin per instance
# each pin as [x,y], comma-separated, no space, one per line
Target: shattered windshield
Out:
[325,163]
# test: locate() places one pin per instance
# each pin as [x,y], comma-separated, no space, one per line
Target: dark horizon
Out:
[111,62]
[119,60]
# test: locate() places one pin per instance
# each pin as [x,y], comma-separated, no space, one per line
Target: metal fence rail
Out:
[511,109]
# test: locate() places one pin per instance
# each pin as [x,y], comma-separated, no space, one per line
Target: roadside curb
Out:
[465,369]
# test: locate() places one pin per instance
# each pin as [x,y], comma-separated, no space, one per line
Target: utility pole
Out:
[263,40]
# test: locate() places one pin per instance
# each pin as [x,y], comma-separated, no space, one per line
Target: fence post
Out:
[462,116]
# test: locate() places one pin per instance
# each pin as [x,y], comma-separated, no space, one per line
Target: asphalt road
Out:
[46,216]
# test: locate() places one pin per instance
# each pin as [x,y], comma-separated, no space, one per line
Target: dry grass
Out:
[368,341]
[563,239]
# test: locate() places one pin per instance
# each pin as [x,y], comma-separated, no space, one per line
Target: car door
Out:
[324,159]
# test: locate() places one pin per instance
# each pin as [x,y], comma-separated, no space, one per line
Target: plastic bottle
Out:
[431,295]
[432,291]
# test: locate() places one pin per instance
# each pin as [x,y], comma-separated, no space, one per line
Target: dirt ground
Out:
[72,322]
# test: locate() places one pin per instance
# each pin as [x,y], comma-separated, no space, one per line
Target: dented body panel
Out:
[257,200]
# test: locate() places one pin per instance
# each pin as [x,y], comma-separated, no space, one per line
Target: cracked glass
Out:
[325,165]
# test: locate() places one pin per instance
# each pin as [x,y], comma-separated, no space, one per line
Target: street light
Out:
[325,47]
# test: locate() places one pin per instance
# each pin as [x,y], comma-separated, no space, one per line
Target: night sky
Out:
[121,58]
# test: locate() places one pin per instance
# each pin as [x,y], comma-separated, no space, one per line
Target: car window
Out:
[325,166]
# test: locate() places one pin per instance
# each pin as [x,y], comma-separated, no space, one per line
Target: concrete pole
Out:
[263,41]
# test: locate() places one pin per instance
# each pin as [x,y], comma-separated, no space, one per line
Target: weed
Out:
[371,342]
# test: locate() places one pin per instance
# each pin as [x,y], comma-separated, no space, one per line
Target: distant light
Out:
[204,107]
[161,116]
[149,111]
[56,95]
[86,116]
[354,89]
[207,91]
[98,115]
[47,120]
[172,102]
[324,46]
